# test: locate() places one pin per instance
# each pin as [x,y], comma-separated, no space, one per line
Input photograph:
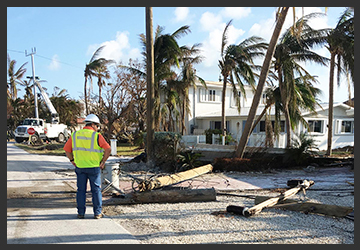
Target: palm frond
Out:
[183,30]
[97,53]
[224,37]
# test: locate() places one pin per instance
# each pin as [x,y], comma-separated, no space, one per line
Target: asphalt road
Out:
[41,205]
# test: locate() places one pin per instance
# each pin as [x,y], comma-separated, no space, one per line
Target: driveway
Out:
[41,205]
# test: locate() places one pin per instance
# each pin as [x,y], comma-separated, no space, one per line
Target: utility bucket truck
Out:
[43,130]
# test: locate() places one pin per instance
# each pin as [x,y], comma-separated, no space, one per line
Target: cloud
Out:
[265,27]
[235,12]
[55,63]
[118,49]
[214,24]
[209,21]
[181,14]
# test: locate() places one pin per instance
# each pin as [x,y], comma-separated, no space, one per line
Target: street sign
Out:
[31,131]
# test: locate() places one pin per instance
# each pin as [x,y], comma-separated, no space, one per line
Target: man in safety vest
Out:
[88,151]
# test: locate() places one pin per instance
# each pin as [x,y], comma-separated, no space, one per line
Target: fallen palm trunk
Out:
[269,202]
[309,207]
[173,178]
[165,196]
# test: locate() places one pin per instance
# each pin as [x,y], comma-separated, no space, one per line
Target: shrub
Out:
[209,132]
[258,163]
[165,150]
[232,164]
[300,153]
[188,160]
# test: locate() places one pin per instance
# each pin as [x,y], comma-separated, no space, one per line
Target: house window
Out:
[346,127]
[316,126]
[263,124]
[263,98]
[233,99]
[210,95]
[217,125]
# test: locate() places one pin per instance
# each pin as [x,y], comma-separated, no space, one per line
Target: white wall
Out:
[211,111]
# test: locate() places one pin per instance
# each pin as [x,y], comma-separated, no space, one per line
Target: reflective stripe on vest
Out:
[87,152]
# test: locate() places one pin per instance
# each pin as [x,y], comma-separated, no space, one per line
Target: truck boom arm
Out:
[54,113]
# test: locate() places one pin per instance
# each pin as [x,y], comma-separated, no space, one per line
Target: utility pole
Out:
[149,87]
[33,51]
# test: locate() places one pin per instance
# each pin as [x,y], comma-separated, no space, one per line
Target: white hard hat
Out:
[92,118]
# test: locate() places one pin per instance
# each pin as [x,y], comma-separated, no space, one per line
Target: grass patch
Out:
[46,149]
[123,149]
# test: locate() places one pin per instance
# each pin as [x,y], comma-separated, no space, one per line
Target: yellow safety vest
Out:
[87,153]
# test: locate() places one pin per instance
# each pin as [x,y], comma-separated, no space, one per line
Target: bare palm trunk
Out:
[182,113]
[150,87]
[100,94]
[223,117]
[85,97]
[263,75]
[331,104]
[285,100]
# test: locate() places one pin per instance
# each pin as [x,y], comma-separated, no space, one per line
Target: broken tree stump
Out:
[309,207]
[174,178]
[269,202]
[165,196]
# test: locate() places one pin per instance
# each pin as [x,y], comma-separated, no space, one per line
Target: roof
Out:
[244,111]
[324,106]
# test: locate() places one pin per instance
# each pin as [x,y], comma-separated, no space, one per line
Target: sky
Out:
[65,38]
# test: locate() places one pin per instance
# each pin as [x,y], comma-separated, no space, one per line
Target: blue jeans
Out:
[94,176]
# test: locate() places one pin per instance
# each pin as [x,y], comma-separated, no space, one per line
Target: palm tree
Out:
[70,109]
[340,43]
[91,70]
[281,15]
[102,73]
[28,90]
[187,78]
[169,109]
[167,53]
[292,49]
[237,62]
[14,77]
[305,99]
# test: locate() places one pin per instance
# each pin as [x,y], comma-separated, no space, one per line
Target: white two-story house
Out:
[205,107]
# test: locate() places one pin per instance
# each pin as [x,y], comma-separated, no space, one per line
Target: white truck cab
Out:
[58,132]
[54,130]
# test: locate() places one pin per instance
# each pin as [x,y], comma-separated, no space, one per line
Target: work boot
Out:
[80,216]
[98,216]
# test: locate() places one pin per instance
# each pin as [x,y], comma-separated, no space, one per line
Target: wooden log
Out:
[174,178]
[309,207]
[271,201]
[165,196]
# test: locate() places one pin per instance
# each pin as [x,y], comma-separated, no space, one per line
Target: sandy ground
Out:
[206,222]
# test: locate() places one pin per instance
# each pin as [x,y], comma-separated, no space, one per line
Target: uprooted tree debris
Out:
[165,196]
[172,179]
[309,207]
[269,202]
[146,192]
[282,201]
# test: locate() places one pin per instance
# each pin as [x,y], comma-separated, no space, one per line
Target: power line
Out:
[47,58]
[51,59]
[17,51]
